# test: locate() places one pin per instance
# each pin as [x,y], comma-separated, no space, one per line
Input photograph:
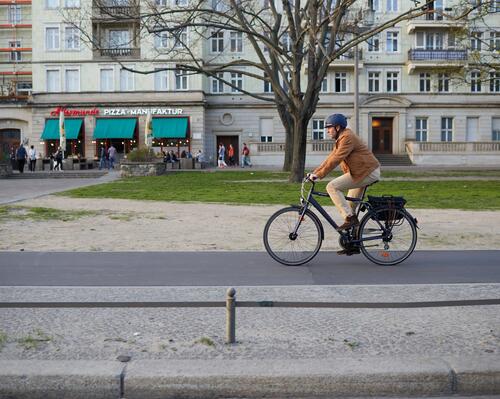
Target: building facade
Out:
[409,102]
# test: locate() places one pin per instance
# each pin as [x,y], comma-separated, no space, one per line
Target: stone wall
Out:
[131,169]
[5,169]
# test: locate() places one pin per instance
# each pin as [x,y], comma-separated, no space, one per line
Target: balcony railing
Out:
[452,147]
[116,12]
[437,55]
[118,52]
[311,146]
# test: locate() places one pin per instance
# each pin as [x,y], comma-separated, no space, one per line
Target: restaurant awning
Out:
[72,128]
[171,128]
[115,128]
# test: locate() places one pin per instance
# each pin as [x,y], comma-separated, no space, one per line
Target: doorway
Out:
[9,138]
[226,140]
[382,135]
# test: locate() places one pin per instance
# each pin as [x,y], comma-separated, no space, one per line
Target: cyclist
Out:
[358,163]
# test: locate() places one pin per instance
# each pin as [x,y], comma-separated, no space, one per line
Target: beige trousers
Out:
[336,187]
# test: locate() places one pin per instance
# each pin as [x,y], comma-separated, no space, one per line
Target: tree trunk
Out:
[287,121]
[299,149]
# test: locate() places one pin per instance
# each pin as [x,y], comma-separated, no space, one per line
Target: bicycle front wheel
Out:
[396,244]
[286,247]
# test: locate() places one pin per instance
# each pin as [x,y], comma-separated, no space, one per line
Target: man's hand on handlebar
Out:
[312,177]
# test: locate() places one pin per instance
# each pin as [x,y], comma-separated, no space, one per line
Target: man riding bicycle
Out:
[358,163]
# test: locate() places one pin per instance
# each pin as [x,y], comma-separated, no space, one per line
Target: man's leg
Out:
[335,189]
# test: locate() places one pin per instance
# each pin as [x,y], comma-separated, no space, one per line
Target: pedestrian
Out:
[102,157]
[13,162]
[111,156]
[199,156]
[221,155]
[183,154]
[230,154]
[21,156]
[58,157]
[32,154]
[189,155]
[245,156]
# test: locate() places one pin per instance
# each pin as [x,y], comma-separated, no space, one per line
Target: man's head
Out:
[335,124]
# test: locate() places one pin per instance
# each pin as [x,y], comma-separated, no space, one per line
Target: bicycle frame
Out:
[310,200]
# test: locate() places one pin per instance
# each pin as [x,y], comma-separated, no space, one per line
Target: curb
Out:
[327,378]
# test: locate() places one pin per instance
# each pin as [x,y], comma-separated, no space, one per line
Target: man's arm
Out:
[338,155]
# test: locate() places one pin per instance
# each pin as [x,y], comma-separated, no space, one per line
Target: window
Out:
[52,38]
[476,41]
[268,87]
[475,82]
[217,86]
[446,129]
[52,3]
[392,5]
[119,39]
[494,41]
[236,42]
[72,36]
[324,85]
[161,2]
[421,129]
[392,42]
[126,80]
[181,3]
[161,40]
[373,5]
[72,80]
[392,82]
[266,139]
[14,14]
[495,82]
[24,87]
[433,41]
[340,82]
[72,3]
[373,82]
[181,80]
[494,6]
[107,83]
[286,42]
[495,129]
[161,79]
[374,43]
[266,130]
[181,38]
[53,81]
[236,80]
[15,55]
[318,129]
[425,82]
[217,40]
[443,83]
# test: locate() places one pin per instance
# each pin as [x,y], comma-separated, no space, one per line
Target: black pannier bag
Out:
[387,201]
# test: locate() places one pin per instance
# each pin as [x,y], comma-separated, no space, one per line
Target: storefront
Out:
[122,133]
[172,133]
[75,136]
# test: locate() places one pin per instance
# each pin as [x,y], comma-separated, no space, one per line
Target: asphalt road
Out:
[239,268]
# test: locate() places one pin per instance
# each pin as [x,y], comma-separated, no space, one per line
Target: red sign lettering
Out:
[74,112]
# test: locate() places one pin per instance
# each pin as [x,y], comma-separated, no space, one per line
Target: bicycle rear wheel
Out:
[283,245]
[399,242]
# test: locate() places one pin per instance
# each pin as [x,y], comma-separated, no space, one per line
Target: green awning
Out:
[72,128]
[171,128]
[115,128]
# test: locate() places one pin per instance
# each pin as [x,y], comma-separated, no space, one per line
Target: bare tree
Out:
[292,44]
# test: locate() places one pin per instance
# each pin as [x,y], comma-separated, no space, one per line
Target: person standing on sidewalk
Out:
[32,158]
[21,156]
[111,155]
[230,154]
[358,163]
[59,158]
[102,158]
[245,156]
[221,155]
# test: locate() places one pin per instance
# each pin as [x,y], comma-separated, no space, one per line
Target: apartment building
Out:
[409,102]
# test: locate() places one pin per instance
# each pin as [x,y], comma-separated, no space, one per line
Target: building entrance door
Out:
[382,135]
[226,140]
[9,138]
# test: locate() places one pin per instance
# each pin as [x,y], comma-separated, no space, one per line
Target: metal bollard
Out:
[231,316]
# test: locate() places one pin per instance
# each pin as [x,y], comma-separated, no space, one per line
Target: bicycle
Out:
[386,234]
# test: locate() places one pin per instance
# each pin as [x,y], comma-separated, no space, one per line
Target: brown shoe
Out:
[349,251]
[350,221]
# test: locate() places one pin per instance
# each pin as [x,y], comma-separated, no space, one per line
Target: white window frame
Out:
[318,129]
[447,129]
[181,80]
[161,40]
[53,69]
[266,139]
[342,79]
[71,68]
[54,41]
[217,41]
[495,133]
[494,78]
[392,6]
[15,14]
[475,82]
[236,42]
[268,87]
[373,43]
[181,39]
[374,80]
[129,79]
[443,83]
[161,79]
[424,78]
[216,85]
[286,42]
[476,41]
[66,37]
[421,131]
[236,80]
[112,87]
[390,40]
[161,3]
[77,2]
[121,43]
[15,56]
[181,3]
[391,79]
[494,42]
[52,7]
[324,85]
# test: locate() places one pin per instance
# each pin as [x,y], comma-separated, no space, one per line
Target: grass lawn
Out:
[247,187]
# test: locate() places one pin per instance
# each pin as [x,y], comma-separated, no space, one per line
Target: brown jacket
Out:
[353,156]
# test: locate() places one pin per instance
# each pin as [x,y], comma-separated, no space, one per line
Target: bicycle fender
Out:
[313,215]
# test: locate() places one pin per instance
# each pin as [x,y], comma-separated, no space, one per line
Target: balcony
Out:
[120,52]
[422,58]
[434,20]
[347,60]
[14,2]
[116,13]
